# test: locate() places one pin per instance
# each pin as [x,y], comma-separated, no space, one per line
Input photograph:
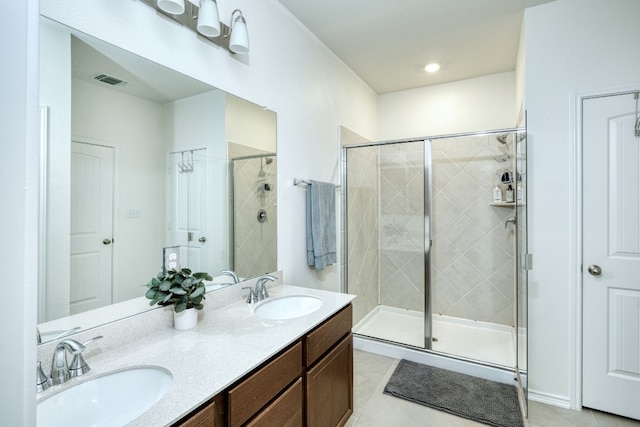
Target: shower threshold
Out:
[481,341]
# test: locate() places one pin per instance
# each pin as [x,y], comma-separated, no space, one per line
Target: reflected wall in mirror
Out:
[140,157]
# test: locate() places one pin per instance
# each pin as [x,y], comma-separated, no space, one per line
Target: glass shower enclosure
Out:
[435,260]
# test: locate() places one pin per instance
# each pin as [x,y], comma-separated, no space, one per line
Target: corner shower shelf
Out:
[503,204]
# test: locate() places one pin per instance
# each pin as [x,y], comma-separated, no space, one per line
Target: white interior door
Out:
[188,226]
[92,171]
[611,256]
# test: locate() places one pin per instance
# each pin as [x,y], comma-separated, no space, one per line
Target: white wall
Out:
[249,124]
[481,103]
[19,123]
[571,46]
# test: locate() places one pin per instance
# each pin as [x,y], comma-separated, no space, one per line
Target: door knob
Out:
[594,270]
[202,239]
[106,242]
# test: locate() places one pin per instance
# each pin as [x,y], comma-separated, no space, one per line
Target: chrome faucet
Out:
[261,286]
[61,371]
[260,292]
[233,275]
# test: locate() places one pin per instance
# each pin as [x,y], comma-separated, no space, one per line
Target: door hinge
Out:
[527,261]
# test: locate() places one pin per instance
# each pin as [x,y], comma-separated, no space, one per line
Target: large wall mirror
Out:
[138,158]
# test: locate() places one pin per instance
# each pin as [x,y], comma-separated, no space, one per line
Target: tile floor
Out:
[374,409]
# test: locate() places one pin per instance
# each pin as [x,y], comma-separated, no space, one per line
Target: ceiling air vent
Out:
[110,80]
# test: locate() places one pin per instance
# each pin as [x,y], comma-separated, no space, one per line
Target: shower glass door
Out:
[385,243]
[431,255]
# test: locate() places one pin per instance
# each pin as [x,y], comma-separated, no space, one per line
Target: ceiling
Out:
[388,43]
[145,79]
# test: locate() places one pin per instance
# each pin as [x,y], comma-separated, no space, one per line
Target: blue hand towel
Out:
[321,224]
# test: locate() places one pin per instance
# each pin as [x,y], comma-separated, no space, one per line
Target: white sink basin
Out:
[109,400]
[288,307]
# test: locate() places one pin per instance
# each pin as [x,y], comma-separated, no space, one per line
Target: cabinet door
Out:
[285,411]
[330,387]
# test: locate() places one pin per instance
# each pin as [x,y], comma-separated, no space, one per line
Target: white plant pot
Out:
[186,319]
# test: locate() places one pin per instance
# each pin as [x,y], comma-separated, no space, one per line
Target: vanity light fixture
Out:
[208,19]
[238,34]
[173,7]
[202,17]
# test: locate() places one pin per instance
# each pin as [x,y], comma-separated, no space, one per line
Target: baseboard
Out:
[549,399]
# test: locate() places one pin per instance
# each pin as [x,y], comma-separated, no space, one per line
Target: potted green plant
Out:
[182,289]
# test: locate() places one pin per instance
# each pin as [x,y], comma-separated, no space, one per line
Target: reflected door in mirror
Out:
[92,172]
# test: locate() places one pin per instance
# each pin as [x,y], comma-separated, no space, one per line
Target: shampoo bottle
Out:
[509,194]
[497,195]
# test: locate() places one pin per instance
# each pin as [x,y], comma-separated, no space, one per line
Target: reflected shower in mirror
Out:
[138,158]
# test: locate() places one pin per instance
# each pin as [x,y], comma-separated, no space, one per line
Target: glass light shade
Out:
[174,7]
[208,19]
[239,41]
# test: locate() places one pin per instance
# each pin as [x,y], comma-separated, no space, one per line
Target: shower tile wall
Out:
[363,244]
[473,254]
[251,259]
[402,226]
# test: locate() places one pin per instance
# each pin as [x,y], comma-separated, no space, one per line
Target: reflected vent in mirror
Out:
[110,80]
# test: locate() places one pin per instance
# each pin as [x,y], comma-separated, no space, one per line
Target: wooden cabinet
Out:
[285,411]
[254,392]
[309,384]
[211,414]
[325,336]
[328,353]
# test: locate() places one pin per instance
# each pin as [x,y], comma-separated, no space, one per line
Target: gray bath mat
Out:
[477,399]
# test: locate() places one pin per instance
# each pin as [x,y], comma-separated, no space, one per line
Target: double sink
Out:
[116,398]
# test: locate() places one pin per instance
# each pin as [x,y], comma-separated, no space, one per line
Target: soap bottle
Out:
[509,194]
[497,195]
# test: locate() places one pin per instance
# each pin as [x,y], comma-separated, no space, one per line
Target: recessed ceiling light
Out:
[432,67]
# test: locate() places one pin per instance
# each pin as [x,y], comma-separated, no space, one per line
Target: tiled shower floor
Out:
[481,341]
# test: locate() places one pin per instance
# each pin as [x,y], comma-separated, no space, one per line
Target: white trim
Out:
[550,399]
[42,212]
[575,384]
[575,339]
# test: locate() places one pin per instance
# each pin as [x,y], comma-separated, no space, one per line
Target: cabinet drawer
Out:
[321,339]
[211,414]
[330,387]
[285,411]
[248,397]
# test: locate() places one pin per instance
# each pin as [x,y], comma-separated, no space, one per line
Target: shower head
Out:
[268,160]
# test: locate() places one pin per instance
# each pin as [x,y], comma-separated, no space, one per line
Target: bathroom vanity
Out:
[310,383]
[236,368]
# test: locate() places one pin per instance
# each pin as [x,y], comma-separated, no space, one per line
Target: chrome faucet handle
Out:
[252,297]
[42,381]
[78,365]
[233,275]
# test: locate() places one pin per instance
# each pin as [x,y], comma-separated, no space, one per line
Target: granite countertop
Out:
[228,342]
